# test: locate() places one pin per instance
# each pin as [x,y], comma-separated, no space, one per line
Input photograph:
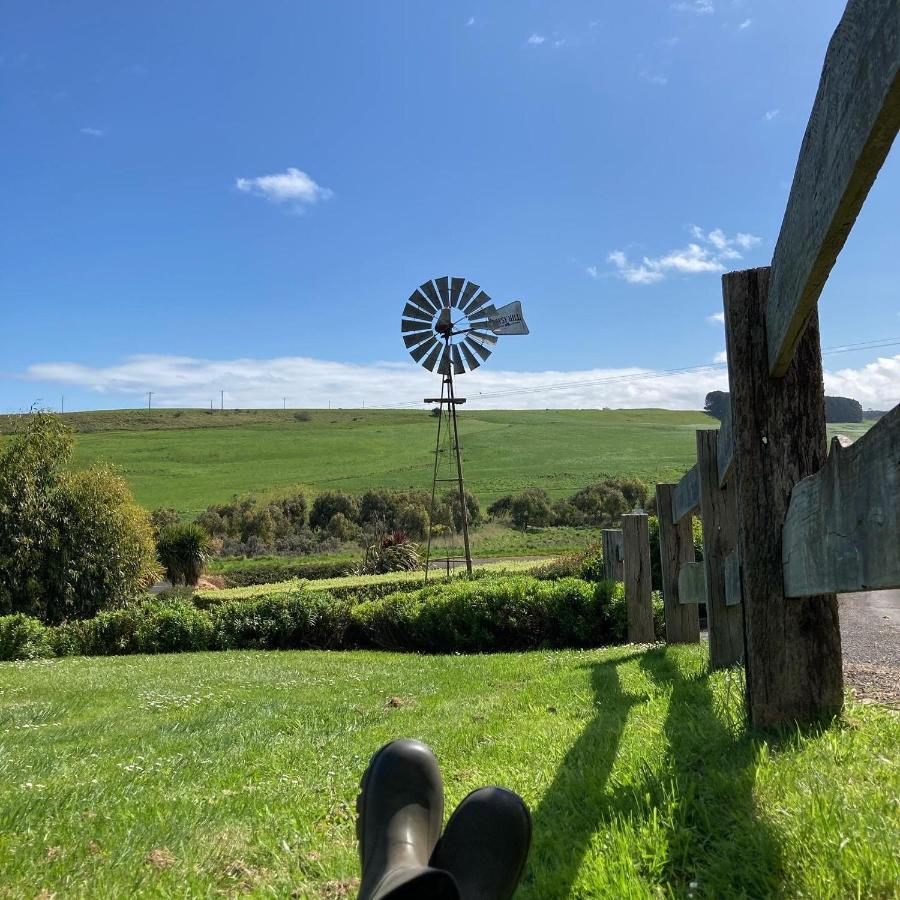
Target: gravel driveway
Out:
[870,637]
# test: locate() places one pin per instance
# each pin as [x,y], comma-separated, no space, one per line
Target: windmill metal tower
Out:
[450,326]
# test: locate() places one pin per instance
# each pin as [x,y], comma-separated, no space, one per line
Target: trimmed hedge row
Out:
[236,576]
[486,614]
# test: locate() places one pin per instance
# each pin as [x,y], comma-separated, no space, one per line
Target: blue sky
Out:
[241,196]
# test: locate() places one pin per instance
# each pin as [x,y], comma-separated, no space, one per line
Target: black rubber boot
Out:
[485,844]
[399,812]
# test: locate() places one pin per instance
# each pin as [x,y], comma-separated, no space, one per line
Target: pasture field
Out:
[192,458]
[236,773]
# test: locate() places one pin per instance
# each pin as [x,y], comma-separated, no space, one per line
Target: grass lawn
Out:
[237,772]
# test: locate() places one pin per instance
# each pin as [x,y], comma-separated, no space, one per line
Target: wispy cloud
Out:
[470,21]
[716,318]
[93,132]
[536,40]
[701,7]
[771,114]
[708,252]
[593,271]
[721,357]
[654,78]
[188,381]
[291,187]
[745,24]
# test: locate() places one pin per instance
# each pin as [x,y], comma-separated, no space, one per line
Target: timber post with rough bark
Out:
[793,646]
[719,516]
[637,578]
[676,547]
[612,541]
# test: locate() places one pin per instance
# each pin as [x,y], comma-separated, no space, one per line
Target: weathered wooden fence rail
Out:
[785,524]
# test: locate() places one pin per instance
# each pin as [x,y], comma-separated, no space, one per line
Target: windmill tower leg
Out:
[434,479]
[459,473]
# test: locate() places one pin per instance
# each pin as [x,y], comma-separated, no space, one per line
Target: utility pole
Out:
[149,398]
[221,400]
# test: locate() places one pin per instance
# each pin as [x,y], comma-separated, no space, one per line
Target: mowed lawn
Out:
[230,773]
[271,452]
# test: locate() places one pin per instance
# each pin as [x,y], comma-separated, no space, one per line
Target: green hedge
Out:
[485,614]
[268,573]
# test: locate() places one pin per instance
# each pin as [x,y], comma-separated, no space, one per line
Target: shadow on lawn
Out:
[701,795]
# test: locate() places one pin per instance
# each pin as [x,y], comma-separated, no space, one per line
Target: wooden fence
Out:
[786,524]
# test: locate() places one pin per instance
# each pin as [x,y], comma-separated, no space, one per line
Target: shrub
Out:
[71,544]
[587,564]
[413,519]
[183,551]
[302,416]
[488,614]
[172,627]
[24,637]
[329,503]
[531,507]
[292,621]
[500,508]
[341,528]
[163,516]
[274,572]
[393,553]
[473,509]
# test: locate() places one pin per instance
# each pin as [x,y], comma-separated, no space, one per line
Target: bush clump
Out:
[71,543]
[489,614]
[183,550]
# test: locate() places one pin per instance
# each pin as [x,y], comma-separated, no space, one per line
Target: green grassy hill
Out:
[189,459]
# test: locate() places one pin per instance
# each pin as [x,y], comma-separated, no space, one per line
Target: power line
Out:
[652,374]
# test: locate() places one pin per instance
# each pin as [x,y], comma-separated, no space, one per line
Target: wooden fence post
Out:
[793,647]
[717,510]
[676,546]
[638,589]
[612,553]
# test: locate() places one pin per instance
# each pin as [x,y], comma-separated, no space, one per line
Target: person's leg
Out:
[399,814]
[485,844]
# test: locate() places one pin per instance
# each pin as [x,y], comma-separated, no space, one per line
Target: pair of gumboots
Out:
[480,855]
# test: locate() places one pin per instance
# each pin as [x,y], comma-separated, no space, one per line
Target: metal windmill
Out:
[450,326]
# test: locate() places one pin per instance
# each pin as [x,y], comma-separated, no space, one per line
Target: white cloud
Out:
[249,383]
[470,21]
[559,42]
[536,40]
[593,272]
[709,252]
[720,357]
[293,187]
[876,385]
[93,132]
[745,24]
[654,78]
[771,114]
[716,318]
[702,7]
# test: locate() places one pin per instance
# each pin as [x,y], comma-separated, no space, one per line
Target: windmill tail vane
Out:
[450,326]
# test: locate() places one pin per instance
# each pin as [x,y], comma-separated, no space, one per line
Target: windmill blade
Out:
[422,302]
[456,285]
[457,361]
[443,286]
[413,325]
[480,300]
[419,352]
[468,293]
[432,357]
[413,312]
[444,367]
[467,353]
[412,339]
[483,337]
[427,288]
[483,352]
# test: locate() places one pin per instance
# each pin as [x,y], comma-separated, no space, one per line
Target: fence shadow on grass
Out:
[714,836]
[572,807]
[701,794]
